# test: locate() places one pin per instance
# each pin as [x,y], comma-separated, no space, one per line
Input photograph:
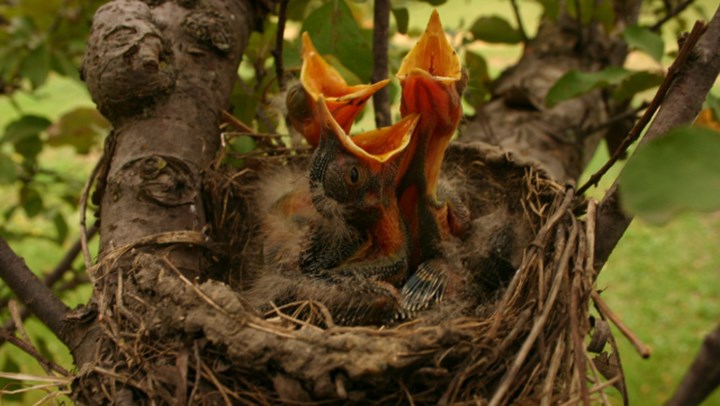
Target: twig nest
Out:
[519,337]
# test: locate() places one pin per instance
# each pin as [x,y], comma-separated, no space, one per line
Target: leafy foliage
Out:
[677,172]
[39,40]
[495,29]
[576,83]
[644,39]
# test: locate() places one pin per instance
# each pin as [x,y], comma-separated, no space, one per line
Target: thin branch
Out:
[670,14]
[30,350]
[641,348]
[32,292]
[51,279]
[381,27]
[229,118]
[657,100]
[704,374]
[63,266]
[278,51]
[518,19]
[627,115]
[682,104]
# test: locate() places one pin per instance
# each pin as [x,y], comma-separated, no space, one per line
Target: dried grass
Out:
[169,339]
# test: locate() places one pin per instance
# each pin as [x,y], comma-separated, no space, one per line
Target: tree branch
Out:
[32,292]
[48,365]
[671,12]
[381,99]
[703,376]
[518,18]
[277,52]
[682,104]
[636,131]
[50,279]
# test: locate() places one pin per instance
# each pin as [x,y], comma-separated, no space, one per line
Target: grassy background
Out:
[664,282]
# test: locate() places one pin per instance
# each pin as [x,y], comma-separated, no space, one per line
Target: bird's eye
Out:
[354,174]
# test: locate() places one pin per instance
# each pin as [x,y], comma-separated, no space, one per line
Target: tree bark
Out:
[162,72]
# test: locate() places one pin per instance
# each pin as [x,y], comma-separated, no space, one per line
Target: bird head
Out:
[355,177]
[432,77]
[319,78]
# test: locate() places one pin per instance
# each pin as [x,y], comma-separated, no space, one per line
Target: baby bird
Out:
[432,80]
[318,78]
[354,255]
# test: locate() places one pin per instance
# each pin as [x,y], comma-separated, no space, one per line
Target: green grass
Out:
[664,282]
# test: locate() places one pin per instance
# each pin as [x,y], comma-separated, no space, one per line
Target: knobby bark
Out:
[161,72]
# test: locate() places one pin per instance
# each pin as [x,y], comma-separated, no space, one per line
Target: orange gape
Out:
[432,80]
[318,78]
[356,246]
[431,77]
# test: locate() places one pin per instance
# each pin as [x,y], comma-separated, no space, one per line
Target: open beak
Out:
[376,146]
[319,78]
[432,56]
[432,79]
[431,75]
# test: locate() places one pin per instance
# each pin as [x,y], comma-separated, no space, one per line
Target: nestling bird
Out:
[432,80]
[355,252]
[318,78]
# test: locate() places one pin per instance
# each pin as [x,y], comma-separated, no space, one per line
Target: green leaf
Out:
[25,126]
[297,10]
[635,83]
[478,86]
[61,63]
[8,173]
[36,65]
[402,19]
[242,144]
[261,44]
[61,227]
[574,83]
[677,172]
[81,128]
[333,30]
[29,147]
[551,8]
[495,29]
[244,102]
[344,71]
[645,40]
[291,54]
[31,201]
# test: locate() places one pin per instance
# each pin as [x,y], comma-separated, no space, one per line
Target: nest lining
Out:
[168,339]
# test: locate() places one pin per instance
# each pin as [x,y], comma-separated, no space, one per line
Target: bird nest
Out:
[527,335]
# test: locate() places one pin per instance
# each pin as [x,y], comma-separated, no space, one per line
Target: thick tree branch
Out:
[381,24]
[50,278]
[32,292]
[681,105]
[162,73]
[703,376]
